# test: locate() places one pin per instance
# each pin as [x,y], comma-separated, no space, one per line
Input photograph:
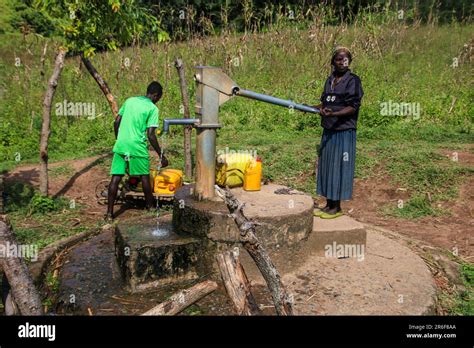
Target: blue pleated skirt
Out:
[336,164]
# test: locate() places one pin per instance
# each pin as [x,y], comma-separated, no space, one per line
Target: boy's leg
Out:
[140,166]
[112,194]
[119,165]
[147,191]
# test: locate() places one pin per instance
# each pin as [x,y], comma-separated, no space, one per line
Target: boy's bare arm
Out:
[117,121]
[151,133]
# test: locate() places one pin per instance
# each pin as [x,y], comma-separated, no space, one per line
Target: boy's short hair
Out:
[155,88]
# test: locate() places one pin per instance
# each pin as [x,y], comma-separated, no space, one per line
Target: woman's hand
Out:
[326,112]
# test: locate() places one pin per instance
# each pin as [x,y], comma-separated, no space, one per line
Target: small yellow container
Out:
[253,176]
[168,181]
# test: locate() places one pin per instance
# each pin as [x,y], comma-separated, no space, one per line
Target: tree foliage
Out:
[90,26]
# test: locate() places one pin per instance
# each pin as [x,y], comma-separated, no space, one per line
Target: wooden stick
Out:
[45,128]
[183,299]
[104,87]
[188,166]
[22,288]
[43,58]
[283,302]
[236,283]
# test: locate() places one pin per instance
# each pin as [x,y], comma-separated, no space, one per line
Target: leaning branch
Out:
[248,238]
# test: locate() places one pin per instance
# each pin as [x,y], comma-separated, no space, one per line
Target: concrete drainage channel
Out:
[329,266]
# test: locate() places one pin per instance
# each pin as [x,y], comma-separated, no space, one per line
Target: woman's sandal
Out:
[331,216]
[318,212]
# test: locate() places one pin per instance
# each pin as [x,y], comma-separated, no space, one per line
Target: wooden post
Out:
[188,166]
[183,299]
[283,302]
[236,283]
[45,129]
[102,84]
[22,287]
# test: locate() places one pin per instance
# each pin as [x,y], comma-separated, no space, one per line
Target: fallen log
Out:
[236,283]
[22,288]
[283,302]
[183,299]
[9,305]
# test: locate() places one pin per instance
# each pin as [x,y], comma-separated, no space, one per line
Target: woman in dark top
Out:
[340,103]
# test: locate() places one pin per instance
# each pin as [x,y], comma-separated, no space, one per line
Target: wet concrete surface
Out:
[90,283]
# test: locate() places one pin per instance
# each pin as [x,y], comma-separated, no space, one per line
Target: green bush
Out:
[40,204]
[18,196]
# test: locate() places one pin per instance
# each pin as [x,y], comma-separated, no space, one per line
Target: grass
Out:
[291,64]
[465,301]
[42,221]
[416,207]
[460,301]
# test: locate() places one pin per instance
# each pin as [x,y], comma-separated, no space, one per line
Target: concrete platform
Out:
[149,256]
[284,216]
[389,280]
[344,236]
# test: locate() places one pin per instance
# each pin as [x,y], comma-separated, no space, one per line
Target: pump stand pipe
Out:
[195,122]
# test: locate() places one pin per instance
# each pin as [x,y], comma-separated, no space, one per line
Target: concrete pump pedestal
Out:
[150,254]
[283,216]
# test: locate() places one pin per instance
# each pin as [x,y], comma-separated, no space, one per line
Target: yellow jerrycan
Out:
[253,175]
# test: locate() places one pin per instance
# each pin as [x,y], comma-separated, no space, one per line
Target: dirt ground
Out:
[455,230]
[450,231]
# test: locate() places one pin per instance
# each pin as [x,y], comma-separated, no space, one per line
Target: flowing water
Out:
[159,232]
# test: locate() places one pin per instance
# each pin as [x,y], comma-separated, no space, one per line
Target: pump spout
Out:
[180,121]
[272,100]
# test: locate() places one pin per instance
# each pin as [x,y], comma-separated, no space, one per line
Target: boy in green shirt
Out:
[137,116]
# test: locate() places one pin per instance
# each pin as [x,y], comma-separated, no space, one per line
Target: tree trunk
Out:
[188,166]
[2,188]
[22,287]
[45,129]
[236,283]
[9,305]
[183,299]
[102,84]
[283,302]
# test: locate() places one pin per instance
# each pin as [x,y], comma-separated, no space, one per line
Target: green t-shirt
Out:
[138,114]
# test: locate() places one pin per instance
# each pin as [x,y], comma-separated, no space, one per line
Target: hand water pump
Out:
[214,88]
